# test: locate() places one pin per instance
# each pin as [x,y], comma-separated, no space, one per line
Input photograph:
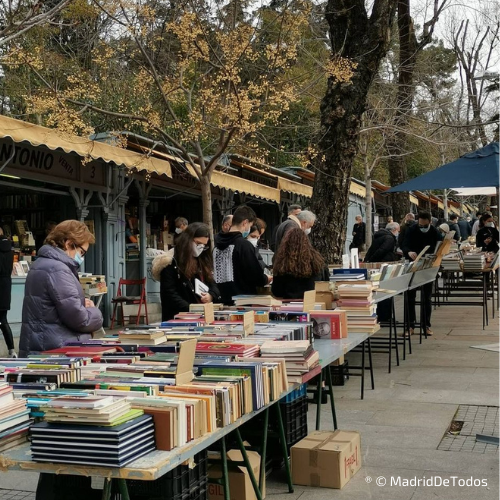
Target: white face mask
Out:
[307,231]
[198,249]
[490,224]
[178,230]
[253,241]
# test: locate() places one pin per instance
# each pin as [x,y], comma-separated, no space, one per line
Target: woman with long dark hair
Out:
[177,270]
[297,265]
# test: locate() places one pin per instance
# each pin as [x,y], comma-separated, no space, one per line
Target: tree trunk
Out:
[206,203]
[396,144]
[363,40]
[368,207]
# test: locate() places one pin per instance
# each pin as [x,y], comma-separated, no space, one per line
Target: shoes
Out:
[411,331]
[12,353]
[429,332]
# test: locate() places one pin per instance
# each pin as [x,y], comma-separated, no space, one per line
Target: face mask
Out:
[253,241]
[78,258]
[307,231]
[396,234]
[424,229]
[198,249]
[490,224]
[245,233]
[178,230]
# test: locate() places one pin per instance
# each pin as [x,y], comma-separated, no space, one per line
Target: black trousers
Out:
[6,331]
[426,303]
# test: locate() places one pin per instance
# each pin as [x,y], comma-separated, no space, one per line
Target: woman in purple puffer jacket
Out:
[55,309]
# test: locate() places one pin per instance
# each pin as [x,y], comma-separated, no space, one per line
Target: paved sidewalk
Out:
[403,422]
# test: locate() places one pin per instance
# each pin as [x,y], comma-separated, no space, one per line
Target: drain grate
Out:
[467,422]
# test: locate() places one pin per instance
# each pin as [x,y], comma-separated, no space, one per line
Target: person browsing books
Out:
[6,264]
[385,241]
[487,236]
[55,310]
[185,272]
[253,238]
[297,265]
[236,268]
[417,237]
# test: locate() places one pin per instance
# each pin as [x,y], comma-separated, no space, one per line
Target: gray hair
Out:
[306,216]
[391,226]
[410,216]
[227,218]
[182,221]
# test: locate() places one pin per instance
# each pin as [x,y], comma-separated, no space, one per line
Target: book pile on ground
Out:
[301,360]
[110,446]
[14,419]
[142,337]
[357,301]
[474,262]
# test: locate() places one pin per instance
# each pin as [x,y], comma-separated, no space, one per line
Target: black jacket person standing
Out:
[417,237]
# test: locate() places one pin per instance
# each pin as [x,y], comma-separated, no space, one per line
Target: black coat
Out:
[415,240]
[6,263]
[465,229]
[291,287]
[176,290]
[383,248]
[359,235]
[402,231]
[485,233]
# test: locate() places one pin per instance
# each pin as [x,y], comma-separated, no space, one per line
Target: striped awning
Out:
[53,139]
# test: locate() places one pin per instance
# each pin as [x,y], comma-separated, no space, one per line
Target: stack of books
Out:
[301,360]
[93,284]
[474,262]
[223,348]
[357,301]
[256,300]
[388,271]
[451,262]
[14,419]
[142,337]
[101,445]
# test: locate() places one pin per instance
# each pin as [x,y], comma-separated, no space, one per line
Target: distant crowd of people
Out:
[55,309]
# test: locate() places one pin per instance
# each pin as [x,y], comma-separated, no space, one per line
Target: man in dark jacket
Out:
[416,239]
[236,268]
[358,234]
[455,227]
[465,229]
[383,248]
[6,263]
[285,226]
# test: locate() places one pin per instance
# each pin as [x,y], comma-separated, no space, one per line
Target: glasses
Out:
[205,247]
[424,227]
[84,252]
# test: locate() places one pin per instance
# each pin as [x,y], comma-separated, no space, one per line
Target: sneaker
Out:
[429,332]
[12,353]
[411,331]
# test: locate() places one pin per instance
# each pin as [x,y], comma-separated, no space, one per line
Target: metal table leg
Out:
[122,488]
[393,314]
[363,369]
[263,449]
[318,399]
[371,362]
[248,465]
[332,400]
[284,449]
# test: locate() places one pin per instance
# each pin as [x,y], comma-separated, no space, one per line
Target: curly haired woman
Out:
[297,265]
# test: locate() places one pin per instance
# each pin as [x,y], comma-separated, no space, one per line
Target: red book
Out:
[84,351]
[220,347]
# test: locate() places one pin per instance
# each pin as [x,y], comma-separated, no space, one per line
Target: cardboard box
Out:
[339,361]
[326,298]
[326,459]
[240,485]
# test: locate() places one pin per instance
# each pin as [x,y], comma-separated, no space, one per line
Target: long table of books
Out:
[151,463]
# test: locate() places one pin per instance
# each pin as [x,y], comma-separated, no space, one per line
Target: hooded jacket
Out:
[176,290]
[383,248]
[54,309]
[236,268]
[6,263]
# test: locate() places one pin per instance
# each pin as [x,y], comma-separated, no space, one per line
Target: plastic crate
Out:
[181,483]
[294,417]
[295,394]
[340,373]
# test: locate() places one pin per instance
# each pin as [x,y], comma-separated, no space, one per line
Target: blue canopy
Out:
[476,169]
